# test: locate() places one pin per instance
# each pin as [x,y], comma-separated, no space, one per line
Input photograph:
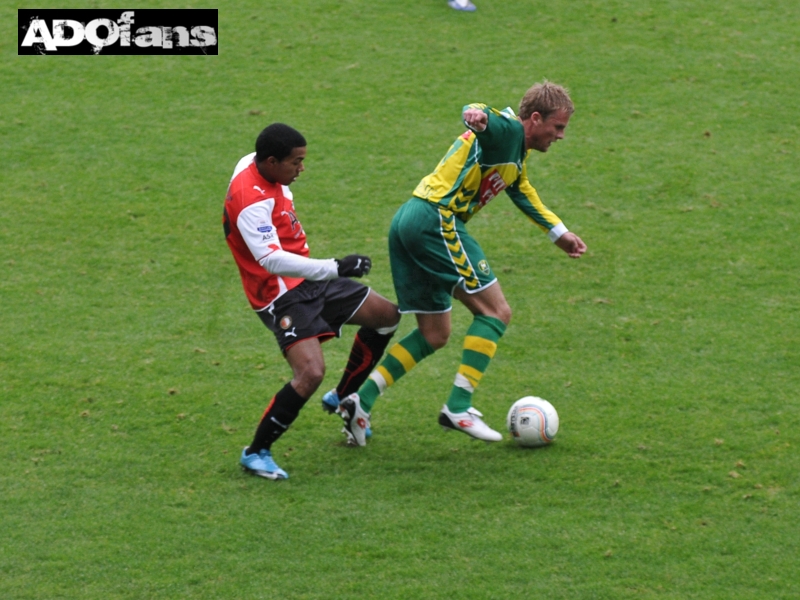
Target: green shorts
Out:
[431,253]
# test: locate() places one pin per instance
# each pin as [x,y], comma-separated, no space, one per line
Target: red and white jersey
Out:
[260,224]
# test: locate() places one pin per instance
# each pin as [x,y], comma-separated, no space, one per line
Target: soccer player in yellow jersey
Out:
[434,259]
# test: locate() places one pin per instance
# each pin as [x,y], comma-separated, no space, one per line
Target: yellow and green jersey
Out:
[480,165]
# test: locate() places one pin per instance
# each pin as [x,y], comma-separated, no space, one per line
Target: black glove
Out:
[354,265]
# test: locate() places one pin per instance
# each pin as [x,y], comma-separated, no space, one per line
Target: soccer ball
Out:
[532,422]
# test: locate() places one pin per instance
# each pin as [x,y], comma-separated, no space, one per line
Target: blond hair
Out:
[545,98]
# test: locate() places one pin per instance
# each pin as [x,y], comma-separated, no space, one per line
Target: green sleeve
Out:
[497,128]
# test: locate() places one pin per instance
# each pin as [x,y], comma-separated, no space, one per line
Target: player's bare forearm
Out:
[571,244]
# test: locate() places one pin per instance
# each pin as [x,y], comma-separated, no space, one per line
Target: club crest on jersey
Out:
[286,322]
[484,267]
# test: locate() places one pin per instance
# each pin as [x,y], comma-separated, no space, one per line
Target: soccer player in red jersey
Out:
[304,301]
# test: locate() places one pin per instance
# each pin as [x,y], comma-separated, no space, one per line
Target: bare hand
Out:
[476,119]
[571,244]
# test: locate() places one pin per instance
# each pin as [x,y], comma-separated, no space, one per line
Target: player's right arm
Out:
[475,118]
[261,236]
[489,124]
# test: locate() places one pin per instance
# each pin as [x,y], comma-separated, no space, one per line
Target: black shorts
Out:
[314,309]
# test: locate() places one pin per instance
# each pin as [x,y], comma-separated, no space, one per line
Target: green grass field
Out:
[132,370]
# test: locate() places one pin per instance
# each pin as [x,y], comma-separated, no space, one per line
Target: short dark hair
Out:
[278,140]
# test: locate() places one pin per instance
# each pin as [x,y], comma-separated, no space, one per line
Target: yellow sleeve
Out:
[525,196]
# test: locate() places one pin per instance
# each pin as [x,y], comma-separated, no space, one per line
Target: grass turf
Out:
[132,372]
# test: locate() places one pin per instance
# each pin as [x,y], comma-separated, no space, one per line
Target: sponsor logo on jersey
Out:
[285,322]
[263,227]
[491,185]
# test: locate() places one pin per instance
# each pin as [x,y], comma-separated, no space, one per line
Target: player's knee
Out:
[390,316]
[500,310]
[437,339]
[315,375]
[388,321]
[308,379]
[504,313]
[379,314]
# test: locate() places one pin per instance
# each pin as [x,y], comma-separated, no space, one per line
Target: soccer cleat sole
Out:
[351,439]
[265,474]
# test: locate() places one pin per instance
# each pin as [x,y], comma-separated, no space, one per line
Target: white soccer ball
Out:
[532,422]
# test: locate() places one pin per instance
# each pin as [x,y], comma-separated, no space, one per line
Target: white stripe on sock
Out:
[379,381]
[463,383]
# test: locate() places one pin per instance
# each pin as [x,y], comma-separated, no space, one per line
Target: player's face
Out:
[540,133]
[284,171]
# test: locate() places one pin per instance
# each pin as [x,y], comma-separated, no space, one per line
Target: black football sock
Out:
[367,350]
[279,415]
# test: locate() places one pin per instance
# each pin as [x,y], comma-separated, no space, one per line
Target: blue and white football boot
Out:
[464,5]
[262,464]
[330,401]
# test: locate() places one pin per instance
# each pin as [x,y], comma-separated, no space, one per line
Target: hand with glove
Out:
[354,265]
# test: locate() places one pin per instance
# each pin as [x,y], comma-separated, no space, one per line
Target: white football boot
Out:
[356,421]
[469,422]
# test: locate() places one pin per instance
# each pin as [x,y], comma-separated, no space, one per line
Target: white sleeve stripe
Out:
[258,231]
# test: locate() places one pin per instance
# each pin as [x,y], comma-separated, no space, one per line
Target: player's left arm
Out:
[526,198]
[571,244]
